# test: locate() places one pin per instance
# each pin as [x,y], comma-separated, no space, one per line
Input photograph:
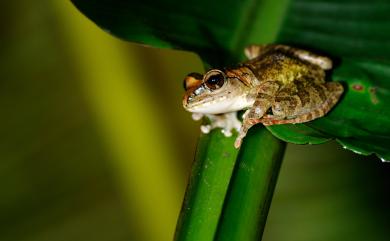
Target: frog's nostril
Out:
[192,80]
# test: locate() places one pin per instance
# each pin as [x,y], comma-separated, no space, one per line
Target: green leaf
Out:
[298,134]
[364,112]
[216,30]
[354,33]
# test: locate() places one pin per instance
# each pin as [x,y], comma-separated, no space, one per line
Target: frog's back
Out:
[279,66]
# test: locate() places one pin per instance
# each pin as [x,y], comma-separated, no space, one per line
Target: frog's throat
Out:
[222,104]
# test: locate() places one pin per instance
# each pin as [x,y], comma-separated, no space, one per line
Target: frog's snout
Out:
[185,101]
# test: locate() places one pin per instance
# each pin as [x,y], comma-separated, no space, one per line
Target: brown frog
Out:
[279,84]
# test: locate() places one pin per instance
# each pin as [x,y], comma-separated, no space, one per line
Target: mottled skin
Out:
[277,85]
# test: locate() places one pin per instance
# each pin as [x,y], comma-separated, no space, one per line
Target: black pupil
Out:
[215,81]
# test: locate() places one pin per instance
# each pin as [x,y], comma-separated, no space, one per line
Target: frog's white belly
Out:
[224,105]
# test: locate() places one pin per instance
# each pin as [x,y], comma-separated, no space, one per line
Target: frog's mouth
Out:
[205,104]
[215,104]
[196,98]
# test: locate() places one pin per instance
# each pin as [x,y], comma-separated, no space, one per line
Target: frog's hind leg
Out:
[321,61]
[335,91]
[253,51]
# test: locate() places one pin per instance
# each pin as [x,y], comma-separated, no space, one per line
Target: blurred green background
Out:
[96,146]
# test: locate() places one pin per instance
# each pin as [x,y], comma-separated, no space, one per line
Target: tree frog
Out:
[278,84]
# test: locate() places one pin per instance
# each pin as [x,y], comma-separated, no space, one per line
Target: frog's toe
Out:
[205,129]
[237,143]
[227,132]
[253,51]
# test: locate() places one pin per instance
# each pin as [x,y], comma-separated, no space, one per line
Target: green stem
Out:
[228,196]
[251,188]
[211,173]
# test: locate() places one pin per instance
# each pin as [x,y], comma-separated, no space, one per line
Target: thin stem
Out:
[208,185]
[229,195]
[251,188]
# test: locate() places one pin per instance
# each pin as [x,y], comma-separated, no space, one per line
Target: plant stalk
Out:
[210,176]
[251,189]
[229,193]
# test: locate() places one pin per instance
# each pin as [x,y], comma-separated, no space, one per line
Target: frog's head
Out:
[216,92]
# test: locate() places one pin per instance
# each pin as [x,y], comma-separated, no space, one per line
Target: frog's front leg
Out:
[264,99]
[226,121]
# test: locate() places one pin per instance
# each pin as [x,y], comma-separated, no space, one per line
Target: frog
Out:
[277,84]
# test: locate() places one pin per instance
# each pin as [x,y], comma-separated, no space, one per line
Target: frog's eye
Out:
[214,80]
[192,80]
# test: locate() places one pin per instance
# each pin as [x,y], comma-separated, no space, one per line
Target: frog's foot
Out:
[203,128]
[241,135]
[227,122]
[248,123]
[254,51]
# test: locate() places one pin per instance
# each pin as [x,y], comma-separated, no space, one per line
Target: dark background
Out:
[95,145]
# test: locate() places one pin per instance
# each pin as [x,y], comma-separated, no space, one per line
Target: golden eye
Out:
[192,80]
[215,81]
